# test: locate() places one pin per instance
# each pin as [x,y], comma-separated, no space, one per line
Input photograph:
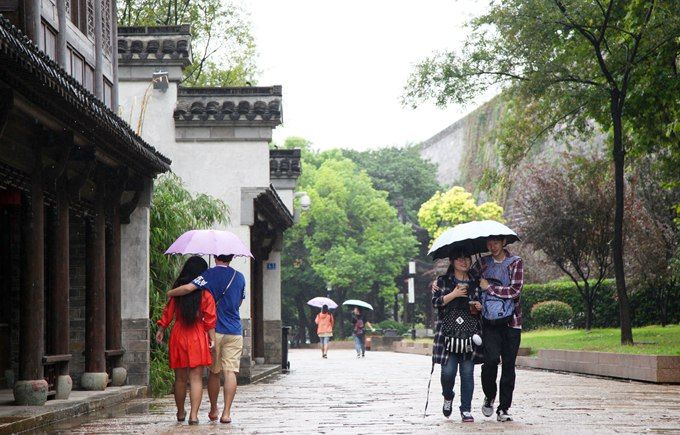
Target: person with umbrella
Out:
[455,299]
[228,288]
[359,325]
[501,280]
[324,321]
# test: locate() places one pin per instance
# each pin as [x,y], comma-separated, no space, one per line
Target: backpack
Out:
[497,311]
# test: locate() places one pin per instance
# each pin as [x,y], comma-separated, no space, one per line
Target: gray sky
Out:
[343,66]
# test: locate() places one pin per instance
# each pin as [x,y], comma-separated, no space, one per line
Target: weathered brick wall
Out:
[272,341]
[136,359]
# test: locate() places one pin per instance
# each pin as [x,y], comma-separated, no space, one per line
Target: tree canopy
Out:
[223,48]
[455,206]
[565,64]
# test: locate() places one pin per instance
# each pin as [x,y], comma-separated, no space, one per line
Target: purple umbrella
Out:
[209,242]
[320,301]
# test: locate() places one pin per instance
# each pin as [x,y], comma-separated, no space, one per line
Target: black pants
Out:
[500,342]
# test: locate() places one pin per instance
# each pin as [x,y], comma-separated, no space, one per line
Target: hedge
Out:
[644,309]
[553,314]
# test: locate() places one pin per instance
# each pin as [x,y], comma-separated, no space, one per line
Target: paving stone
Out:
[385,393]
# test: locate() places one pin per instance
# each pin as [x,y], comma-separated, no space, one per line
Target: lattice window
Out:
[90,19]
[106,28]
[67,4]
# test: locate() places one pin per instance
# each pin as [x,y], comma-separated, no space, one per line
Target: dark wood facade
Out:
[66,161]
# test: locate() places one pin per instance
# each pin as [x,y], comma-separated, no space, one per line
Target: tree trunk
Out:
[617,243]
[589,314]
[302,318]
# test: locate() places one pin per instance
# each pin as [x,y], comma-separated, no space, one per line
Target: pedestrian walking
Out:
[455,298]
[228,288]
[502,278]
[324,329]
[359,325]
[192,337]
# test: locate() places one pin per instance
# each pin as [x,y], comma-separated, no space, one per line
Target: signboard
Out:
[411,291]
[271,266]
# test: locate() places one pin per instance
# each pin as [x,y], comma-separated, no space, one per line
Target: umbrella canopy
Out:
[358,303]
[320,301]
[470,235]
[209,242]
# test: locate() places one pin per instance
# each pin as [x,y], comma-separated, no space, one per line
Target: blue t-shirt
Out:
[215,280]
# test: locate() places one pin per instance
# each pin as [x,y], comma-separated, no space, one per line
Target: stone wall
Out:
[272,341]
[137,354]
[246,357]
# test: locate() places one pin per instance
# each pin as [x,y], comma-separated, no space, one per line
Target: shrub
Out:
[552,314]
[393,324]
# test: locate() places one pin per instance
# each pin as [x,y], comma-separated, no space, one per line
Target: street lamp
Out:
[412,295]
[305,203]
[329,288]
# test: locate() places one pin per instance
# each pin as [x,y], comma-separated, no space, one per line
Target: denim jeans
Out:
[467,380]
[359,344]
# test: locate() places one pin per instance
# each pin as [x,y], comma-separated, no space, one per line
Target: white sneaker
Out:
[487,407]
[503,416]
[446,409]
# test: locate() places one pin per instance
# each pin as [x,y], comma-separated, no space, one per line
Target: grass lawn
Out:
[650,340]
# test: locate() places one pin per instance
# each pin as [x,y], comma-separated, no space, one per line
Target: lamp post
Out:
[329,289]
[305,203]
[412,295]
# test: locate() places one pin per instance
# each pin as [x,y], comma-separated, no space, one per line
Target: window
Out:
[77,64]
[79,14]
[49,41]
[89,78]
[108,91]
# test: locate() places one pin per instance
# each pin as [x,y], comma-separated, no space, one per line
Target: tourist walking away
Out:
[228,288]
[359,325]
[501,283]
[324,321]
[456,332]
[192,337]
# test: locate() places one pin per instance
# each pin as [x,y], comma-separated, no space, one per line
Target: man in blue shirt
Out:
[228,288]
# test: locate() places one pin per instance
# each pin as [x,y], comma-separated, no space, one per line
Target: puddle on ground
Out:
[135,407]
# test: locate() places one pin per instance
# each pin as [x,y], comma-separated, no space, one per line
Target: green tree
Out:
[350,238]
[453,207]
[565,63]
[408,179]
[174,210]
[223,48]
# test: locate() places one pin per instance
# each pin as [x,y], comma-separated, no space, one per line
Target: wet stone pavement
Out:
[385,393]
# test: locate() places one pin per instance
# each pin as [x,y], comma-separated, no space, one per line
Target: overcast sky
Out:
[343,66]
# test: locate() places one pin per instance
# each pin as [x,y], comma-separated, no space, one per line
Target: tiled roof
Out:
[284,163]
[230,105]
[171,43]
[32,74]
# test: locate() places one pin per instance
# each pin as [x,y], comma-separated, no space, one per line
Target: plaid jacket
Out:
[446,286]
[513,291]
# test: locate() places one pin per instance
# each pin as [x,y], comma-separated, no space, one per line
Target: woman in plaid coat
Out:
[455,298]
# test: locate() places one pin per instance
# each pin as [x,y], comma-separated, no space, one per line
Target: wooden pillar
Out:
[113,271]
[32,20]
[114,57]
[62,50]
[95,299]
[59,270]
[32,310]
[98,51]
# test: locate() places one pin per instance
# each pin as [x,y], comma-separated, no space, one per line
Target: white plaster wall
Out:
[218,169]
[446,153]
[135,262]
[272,287]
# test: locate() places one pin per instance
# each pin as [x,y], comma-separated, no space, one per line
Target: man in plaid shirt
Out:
[501,342]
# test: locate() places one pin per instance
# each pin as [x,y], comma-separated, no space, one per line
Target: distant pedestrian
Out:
[192,337]
[228,288]
[502,279]
[324,329]
[454,297]
[359,325]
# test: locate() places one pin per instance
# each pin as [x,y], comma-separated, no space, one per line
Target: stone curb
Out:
[34,419]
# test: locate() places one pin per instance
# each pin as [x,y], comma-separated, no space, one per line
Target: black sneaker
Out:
[487,407]
[502,415]
[446,409]
[467,417]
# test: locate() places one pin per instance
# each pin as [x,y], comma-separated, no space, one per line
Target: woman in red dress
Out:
[192,337]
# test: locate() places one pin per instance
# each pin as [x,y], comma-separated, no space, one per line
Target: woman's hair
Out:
[324,309]
[189,305]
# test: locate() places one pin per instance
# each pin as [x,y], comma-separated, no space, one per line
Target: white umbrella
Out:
[472,236]
[320,301]
[358,303]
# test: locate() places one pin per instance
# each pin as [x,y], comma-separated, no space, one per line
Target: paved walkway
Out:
[385,393]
